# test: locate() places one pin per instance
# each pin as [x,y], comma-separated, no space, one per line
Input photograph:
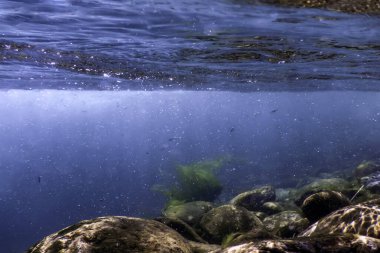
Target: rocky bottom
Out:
[330,215]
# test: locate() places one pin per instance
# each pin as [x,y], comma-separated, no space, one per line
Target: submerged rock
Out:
[347,243]
[366,168]
[362,219]
[252,235]
[353,6]
[228,219]
[371,182]
[326,184]
[115,234]
[197,247]
[182,228]
[190,212]
[253,200]
[286,224]
[320,204]
[271,208]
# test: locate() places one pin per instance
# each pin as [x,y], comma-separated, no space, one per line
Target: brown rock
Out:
[116,234]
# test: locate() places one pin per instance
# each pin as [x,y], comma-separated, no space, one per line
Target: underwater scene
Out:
[224,126]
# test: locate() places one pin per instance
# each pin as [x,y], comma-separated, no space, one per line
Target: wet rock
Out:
[286,224]
[347,243]
[352,6]
[253,200]
[182,228]
[252,235]
[197,247]
[271,208]
[371,182]
[326,184]
[366,168]
[228,219]
[321,204]
[116,234]
[260,215]
[190,212]
[362,219]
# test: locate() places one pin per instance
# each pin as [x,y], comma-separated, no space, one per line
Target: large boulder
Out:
[286,224]
[227,219]
[320,204]
[254,199]
[347,243]
[190,212]
[115,234]
[362,219]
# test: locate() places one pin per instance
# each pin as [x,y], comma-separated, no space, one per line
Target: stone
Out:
[182,228]
[252,235]
[372,182]
[271,208]
[227,219]
[286,224]
[347,243]
[190,212]
[117,234]
[322,203]
[366,168]
[326,184]
[197,247]
[362,219]
[254,199]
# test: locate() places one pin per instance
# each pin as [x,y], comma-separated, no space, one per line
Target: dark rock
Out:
[321,204]
[346,243]
[190,212]
[228,219]
[326,184]
[115,234]
[286,224]
[362,219]
[182,228]
[253,200]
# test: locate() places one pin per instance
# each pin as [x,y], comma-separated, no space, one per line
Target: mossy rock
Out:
[224,220]
[254,199]
[252,235]
[366,168]
[286,224]
[116,234]
[272,207]
[190,212]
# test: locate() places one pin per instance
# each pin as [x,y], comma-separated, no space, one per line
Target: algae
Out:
[196,181]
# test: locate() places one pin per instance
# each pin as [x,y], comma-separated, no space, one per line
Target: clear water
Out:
[101,100]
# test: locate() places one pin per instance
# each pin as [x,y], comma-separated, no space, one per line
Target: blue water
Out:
[101,100]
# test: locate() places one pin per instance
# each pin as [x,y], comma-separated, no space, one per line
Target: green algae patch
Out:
[196,181]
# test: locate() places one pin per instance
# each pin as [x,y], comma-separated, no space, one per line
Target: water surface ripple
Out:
[177,44]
